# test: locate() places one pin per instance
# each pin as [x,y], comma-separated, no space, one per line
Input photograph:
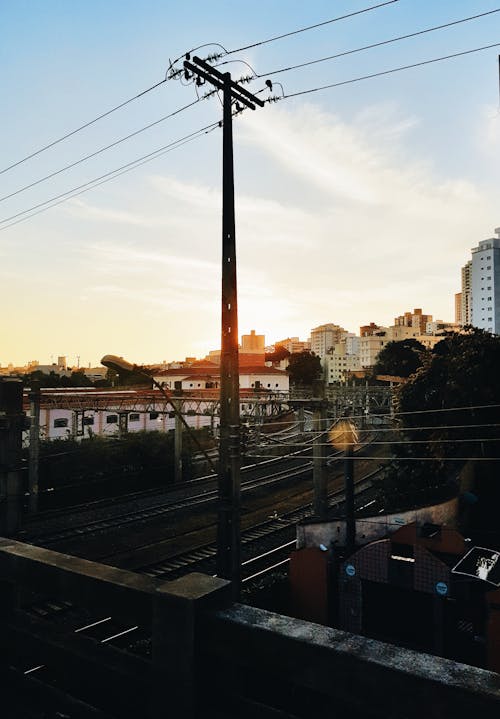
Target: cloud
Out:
[337,219]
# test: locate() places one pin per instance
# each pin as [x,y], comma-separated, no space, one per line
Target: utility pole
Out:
[229,491]
[34,448]
[12,422]
[178,443]
[320,500]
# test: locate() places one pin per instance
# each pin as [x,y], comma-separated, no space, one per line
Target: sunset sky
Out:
[353,204]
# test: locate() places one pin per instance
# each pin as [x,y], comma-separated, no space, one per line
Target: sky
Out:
[354,204]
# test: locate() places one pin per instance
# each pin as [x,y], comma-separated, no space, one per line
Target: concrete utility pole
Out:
[228,528]
[178,445]
[320,501]
[34,448]
[12,423]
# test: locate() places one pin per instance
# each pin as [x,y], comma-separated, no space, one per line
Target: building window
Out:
[87,421]
[112,419]
[153,415]
[61,422]
[134,417]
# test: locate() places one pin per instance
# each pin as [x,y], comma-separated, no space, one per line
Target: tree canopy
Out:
[400,358]
[279,354]
[447,412]
[304,368]
[76,379]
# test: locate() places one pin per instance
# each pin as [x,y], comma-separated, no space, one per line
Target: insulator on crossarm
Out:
[269,84]
[187,75]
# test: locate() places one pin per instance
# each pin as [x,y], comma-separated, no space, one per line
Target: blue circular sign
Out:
[350,570]
[442,589]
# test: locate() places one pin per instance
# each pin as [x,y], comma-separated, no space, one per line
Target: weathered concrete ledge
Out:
[369,675]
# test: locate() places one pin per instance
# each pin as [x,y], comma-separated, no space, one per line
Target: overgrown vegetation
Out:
[447,415]
[304,368]
[402,358]
[68,462]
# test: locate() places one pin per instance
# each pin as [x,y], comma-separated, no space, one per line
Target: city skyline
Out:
[351,203]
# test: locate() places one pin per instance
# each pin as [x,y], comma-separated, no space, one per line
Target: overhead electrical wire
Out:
[285,96]
[108,176]
[82,127]
[391,441]
[435,410]
[389,459]
[103,149]
[168,76]
[369,47]
[387,72]
[310,27]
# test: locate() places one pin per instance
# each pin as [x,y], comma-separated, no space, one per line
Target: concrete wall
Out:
[368,529]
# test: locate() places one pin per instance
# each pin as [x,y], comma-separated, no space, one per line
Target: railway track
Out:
[202,558]
[196,493]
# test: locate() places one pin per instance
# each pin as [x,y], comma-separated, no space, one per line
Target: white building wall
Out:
[370,346]
[485,285]
[271,382]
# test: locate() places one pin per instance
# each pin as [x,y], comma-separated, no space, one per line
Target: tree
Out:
[304,368]
[279,354]
[447,413]
[400,358]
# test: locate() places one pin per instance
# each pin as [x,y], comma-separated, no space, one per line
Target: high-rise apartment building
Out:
[325,337]
[485,284]
[465,311]
[416,320]
[458,308]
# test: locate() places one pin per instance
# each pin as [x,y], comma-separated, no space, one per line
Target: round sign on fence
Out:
[442,589]
[350,570]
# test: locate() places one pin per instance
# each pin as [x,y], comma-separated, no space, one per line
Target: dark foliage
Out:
[304,368]
[401,359]
[446,416]
[279,354]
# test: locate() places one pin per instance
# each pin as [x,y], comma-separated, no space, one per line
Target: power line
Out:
[103,149]
[82,127]
[390,441]
[285,96]
[391,459]
[116,173]
[113,174]
[310,27]
[370,47]
[387,72]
